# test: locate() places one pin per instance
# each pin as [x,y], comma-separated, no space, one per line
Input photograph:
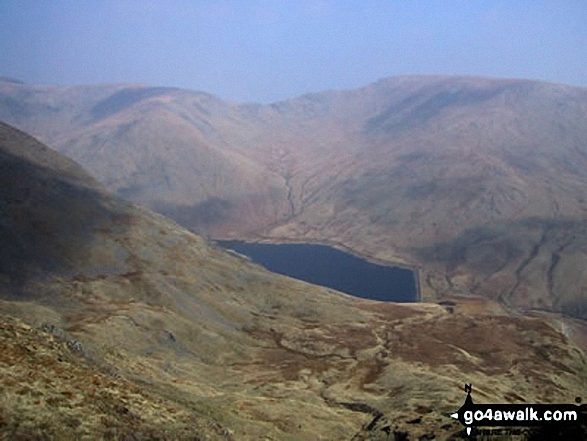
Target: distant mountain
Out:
[479,182]
[117,323]
[10,80]
[182,167]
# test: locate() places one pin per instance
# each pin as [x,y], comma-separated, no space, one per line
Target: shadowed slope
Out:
[478,182]
[157,146]
[39,191]
[215,339]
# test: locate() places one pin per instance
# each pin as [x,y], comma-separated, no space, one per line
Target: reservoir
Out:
[327,266]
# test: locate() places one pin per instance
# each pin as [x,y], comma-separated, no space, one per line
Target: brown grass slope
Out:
[479,182]
[157,146]
[49,391]
[182,335]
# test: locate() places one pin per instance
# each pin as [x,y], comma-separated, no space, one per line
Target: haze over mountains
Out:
[478,182]
[116,322]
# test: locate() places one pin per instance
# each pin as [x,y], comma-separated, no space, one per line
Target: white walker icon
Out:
[459,415]
[520,415]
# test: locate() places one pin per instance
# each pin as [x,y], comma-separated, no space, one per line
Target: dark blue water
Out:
[327,266]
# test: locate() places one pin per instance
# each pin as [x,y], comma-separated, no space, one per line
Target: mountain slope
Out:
[479,183]
[50,392]
[164,320]
[182,166]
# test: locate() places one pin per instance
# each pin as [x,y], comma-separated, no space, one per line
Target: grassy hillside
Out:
[478,182]
[142,327]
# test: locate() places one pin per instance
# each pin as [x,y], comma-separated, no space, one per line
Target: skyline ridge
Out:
[17,81]
[264,50]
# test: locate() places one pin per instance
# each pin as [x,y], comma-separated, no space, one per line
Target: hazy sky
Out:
[265,50]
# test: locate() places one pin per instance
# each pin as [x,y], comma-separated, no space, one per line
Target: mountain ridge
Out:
[478,182]
[178,338]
